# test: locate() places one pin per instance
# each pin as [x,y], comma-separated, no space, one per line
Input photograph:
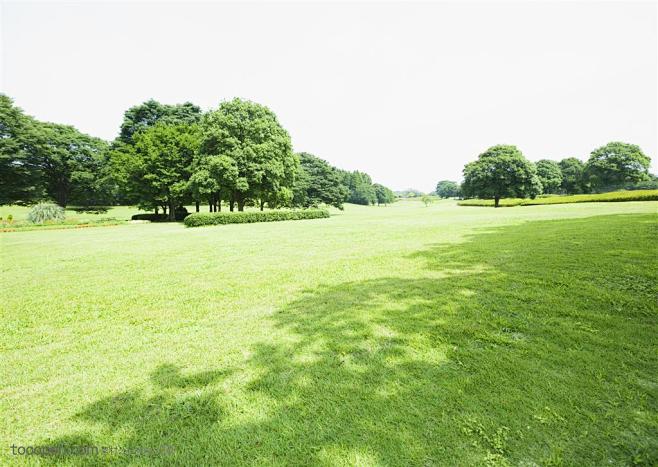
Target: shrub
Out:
[216,218]
[615,196]
[10,219]
[180,213]
[45,212]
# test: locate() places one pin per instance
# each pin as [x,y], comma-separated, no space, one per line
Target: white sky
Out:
[406,92]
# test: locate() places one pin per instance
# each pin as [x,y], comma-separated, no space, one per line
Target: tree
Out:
[70,163]
[250,135]
[20,173]
[427,200]
[501,171]
[318,182]
[447,189]
[360,187]
[162,163]
[572,175]
[550,175]
[147,114]
[383,194]
[615,164]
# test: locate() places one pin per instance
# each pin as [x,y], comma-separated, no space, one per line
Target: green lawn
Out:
[399,335]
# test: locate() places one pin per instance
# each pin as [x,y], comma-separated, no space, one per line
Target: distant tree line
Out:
[502,171]
[169,156]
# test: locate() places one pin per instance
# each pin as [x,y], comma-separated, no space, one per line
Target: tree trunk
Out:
[157,210]
[209,205]
[496,201]
[197,205]
[241,202]
[172,211]
[219,205]
[231,202]
[262,204]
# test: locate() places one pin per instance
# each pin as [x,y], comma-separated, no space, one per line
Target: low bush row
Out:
[199,219]
[635,195]
[180,213]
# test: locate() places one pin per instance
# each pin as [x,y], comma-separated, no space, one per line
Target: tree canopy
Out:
[383,194]
[142,116]
[550,175]
[501,171]
[161,163]
[318,182]
[572,170]
[447,189]
[616,164]
[249,136]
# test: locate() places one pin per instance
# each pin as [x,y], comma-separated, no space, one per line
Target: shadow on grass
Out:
[525,344]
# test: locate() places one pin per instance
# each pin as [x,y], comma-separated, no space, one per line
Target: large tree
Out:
[318,182]
[572,175]
[499,172]
[250,135]
[384,195]
[360,187]
[71,163]
[447,189]
[160,165]
[20,173]
[147,114]
[550,175]
[616,164]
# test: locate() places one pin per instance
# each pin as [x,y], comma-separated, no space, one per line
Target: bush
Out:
[46,212]
[615,196]
[180,213]
[216,218]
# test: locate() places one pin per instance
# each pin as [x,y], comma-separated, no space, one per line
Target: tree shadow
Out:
[509,349]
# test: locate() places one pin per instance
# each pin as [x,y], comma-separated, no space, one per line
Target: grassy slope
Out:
[397,335]
[613,196]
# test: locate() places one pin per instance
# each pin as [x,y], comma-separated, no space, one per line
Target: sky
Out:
[407,92]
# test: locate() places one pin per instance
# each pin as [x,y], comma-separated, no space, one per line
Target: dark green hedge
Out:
[181,213]
[216,218]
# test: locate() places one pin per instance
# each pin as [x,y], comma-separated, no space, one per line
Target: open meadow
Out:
[397,335]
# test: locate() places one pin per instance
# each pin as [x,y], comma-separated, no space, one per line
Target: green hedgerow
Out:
[613,196]
[45,212]
[216,218]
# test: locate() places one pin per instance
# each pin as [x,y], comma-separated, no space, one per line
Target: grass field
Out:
[399,335]
[612,196]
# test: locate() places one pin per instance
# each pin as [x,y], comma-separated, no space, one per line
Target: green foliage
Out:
[550,175]
[180,214]
[160,166]
[71,163]
[616,164]
[19,168]
[427,200]
[255,148]
[46,212]
[217,218]
[143,116]
[318,182]
[447,189]
[383,194]
[360,187]
[613,196]
[499,172]
[572,175]
[410,193]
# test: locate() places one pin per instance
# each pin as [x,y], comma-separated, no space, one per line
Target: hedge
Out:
[180,213]
[614,196]
[198,219]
